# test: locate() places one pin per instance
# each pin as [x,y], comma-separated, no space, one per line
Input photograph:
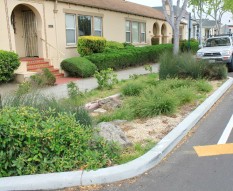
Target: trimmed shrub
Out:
[33,142]
[45,78]
[9,62]
[127,44]
[155,40]
[114,45]
[91,44]
[78,67]
[124,58]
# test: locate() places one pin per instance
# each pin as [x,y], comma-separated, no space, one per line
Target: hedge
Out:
[78,67]
[91,44]
[124,58]
[9,62]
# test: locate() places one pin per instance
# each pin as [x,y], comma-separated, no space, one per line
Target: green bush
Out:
[153,102]
[155,40]
[9,62]
[127,57]
[106,78]
[184,46]
[114,45]
[132,89]
[186,66]
[128,45]
[91,44]
[203,86]
[78,67]
[215,71]
[33,142]
[44,103]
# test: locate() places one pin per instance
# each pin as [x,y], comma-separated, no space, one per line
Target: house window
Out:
[98,26]
[84,25]
[70,29]
[135,32]
[88,25]
[143,32]
[128,31]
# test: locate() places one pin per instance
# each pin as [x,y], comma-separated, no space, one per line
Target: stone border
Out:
[120,172]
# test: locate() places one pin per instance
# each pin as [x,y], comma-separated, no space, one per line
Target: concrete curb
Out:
[121,172]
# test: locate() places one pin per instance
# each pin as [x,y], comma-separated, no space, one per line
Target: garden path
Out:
[60,91]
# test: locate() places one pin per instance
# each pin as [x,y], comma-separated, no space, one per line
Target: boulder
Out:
[112,132]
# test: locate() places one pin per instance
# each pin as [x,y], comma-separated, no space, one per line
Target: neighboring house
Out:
[50,28]
[208,28]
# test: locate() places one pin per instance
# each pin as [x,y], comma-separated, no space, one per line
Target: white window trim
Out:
[101,26]
[139,30]
[75,29]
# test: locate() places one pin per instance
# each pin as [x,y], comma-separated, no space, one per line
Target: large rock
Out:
[112,132]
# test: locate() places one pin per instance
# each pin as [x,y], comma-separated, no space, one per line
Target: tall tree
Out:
[174,18]
[215,9]
[228,5]
[198,8]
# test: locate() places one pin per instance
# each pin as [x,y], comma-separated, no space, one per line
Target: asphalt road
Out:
[183,170]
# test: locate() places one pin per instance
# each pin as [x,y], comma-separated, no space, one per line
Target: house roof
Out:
[120,6]
[186,16]
[208,23]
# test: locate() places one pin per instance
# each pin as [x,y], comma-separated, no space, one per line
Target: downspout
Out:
[8,25]
[55,10]
[45,32]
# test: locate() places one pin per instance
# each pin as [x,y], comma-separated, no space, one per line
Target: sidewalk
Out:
[60,91]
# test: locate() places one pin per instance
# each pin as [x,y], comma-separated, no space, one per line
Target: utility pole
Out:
[190,27]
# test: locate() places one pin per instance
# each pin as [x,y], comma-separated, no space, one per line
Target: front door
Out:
[30,34]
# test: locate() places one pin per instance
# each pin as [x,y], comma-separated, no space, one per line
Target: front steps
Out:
[37,64]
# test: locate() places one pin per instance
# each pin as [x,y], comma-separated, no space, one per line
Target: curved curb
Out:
[120,172]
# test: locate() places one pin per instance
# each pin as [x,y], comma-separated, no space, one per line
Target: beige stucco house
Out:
[50,29]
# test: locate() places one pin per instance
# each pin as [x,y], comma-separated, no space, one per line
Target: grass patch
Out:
[135,151]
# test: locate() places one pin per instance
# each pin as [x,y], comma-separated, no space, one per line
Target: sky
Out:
[153,3]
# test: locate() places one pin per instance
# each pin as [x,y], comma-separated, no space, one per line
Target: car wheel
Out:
[230,65]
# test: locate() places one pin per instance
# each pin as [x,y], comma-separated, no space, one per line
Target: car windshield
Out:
[223,41]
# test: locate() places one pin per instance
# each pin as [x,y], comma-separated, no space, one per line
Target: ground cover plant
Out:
[149,97]
[40,135]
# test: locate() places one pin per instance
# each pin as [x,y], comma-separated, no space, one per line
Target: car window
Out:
[223,41]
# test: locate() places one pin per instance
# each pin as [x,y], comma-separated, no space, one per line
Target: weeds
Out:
[106,78]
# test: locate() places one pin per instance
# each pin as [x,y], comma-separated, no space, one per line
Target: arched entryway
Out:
[164,34]
[156,29]
[156,34]
[26,23]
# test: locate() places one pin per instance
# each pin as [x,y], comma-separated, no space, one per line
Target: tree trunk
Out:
[176,33]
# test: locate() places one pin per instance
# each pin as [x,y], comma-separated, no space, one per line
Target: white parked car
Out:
[218,49]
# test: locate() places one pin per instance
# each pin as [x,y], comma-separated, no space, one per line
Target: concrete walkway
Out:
[60,91]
